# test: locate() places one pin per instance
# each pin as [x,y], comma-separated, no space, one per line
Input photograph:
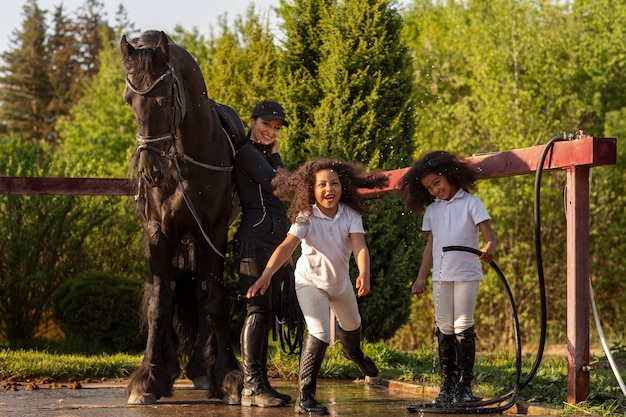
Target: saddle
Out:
[232,124]
[236,132]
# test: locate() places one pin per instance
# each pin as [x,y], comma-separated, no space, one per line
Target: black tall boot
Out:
[351,342]
[311,358]
[285,397]
[466,354]
[255,392]
[447,366]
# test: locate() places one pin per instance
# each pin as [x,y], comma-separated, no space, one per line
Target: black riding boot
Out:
[447,366]
[351,342]
[466,353]
[286,398]
[255,392]
[311,358]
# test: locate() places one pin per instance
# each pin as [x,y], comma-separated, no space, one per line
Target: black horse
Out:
[184,178]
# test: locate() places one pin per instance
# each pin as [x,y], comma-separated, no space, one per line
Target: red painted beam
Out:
[66,186]
[586,151]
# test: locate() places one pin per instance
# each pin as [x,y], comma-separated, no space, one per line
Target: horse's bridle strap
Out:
[146,90]
[203,165]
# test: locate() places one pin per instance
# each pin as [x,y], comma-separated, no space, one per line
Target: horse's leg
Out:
[226,371]
[160,367]
[203,359]
[202,356]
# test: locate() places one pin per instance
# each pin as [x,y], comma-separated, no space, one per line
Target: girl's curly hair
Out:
[457,171]
[297,186]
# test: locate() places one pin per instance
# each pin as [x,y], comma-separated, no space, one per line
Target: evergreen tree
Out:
[242,66]
[348,74]
[122,23]
[299,69]
[97,139]
[64,69]
[90,22]
[26,88]
[365,78]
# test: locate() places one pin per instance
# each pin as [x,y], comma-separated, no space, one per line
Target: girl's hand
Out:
[362,286]
[489,250]
[418,287]
[260,285]
[487,253]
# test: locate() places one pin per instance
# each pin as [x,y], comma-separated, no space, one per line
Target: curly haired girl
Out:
[439,183]
[326,210]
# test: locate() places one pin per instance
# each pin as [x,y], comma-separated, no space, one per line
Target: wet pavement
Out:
[107,399]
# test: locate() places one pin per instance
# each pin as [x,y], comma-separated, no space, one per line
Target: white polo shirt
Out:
[455,222]
[326,247]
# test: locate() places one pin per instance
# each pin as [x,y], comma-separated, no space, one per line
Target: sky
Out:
[145,14]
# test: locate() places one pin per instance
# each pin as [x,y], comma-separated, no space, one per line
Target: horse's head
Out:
[155,96]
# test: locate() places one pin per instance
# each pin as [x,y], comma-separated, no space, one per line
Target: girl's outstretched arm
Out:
[281,255]
[489,250]
[362,258]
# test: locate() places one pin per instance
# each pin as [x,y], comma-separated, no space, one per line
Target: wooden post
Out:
[578,302]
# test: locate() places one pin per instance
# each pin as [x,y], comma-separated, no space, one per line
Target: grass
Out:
[494,372]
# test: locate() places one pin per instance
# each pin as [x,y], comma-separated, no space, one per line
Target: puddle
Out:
[343,398]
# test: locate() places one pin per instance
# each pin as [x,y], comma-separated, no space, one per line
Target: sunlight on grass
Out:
[33,364]
[494,373]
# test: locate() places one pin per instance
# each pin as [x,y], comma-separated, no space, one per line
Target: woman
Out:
[264,225]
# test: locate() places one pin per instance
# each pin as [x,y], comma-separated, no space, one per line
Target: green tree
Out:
[64,69]
[242,66]
[481,72]
[98,134]
[43,242]
[299,70]
[365,78]
[25,93]
[90,24]
[600,72]
[509,74]
[358,107]
[97,141]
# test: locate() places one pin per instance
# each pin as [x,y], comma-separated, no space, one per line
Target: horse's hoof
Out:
[201,383]
[231,399]
[141,399]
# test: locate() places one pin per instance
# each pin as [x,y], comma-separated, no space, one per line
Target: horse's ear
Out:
[125,47]
[164,45]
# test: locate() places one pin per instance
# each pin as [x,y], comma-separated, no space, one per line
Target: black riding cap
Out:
[269,110]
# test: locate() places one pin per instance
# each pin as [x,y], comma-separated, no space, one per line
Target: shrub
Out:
[101,307]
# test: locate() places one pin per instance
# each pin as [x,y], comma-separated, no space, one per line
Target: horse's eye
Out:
[161,101]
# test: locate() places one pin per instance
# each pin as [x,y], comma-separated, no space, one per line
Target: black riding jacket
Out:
[264,217]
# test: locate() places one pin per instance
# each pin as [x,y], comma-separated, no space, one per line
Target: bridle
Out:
[146,142]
